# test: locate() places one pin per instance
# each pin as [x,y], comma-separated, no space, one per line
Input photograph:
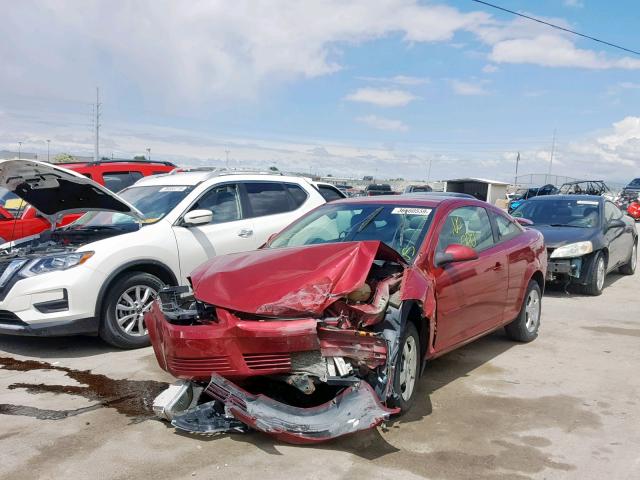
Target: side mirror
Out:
[455,253]
[615,223]
[525,222]
[197,217]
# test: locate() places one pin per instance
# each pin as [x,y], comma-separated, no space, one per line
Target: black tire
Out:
[595,283]
[526,325]
[113,317]
[411,340]
[629,268]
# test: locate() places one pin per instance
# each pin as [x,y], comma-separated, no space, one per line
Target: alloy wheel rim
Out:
[131,308]
[408,368]
[600,274]
[532,311]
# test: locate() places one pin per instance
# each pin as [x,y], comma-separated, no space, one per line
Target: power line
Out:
[635,52]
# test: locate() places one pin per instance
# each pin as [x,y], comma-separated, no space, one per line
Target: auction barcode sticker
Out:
[173,189]
[587,202]
[411,211]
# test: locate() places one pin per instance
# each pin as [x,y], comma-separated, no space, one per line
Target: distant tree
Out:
[273,168]
[63,158]
[329,175]
[139,157]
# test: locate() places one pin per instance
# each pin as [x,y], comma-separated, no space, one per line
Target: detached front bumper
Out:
[355,409]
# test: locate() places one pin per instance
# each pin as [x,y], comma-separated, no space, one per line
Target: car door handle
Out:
[496,267]
[245,233]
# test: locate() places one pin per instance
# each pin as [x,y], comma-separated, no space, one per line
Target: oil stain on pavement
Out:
[132,398]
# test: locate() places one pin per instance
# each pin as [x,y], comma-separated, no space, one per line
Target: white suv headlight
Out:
[52,263]
[572,250]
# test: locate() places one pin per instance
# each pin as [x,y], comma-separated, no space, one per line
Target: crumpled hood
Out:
[54,191]
[288,281]
[555,237]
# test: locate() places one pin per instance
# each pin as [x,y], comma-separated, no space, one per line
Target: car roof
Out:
[406,199]
[196,177]
[545,198]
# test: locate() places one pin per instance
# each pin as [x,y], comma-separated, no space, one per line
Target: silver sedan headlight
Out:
[52,263]
[573,250]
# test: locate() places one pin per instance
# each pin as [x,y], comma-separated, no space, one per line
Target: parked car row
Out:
[281,306]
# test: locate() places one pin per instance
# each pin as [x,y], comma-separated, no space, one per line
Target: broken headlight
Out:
[572,250]
[53,263]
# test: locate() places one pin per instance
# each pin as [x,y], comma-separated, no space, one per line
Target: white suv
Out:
[101,273]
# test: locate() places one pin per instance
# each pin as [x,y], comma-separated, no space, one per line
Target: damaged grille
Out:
[268,361]
[197,365]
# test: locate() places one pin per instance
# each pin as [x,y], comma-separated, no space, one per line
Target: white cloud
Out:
[573,3]
[555,51]
[381,123]
[489,68]
[404,80]
[382,97]
[469,88]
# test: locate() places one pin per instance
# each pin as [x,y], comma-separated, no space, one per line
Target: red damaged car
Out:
[325,330]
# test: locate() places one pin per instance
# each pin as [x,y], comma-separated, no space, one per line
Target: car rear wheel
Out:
[630,267]
[407,369]
[595,282]
[525,327]
[127,301]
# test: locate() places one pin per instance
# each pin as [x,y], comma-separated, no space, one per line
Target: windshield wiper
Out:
[369,219]
[566,225]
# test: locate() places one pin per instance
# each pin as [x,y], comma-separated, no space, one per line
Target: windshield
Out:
[562,213]
[153,201]
[401,227]
[635,183]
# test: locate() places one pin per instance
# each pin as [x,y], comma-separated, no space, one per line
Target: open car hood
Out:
[277,282]
[54,191]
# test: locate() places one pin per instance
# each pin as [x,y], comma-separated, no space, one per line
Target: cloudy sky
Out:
[341,87]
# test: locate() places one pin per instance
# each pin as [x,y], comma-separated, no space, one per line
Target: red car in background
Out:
[18,219]
[335,317]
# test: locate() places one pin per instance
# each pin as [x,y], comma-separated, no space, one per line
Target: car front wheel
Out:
[407,369]
[127,301]
[595,281]
[525,327]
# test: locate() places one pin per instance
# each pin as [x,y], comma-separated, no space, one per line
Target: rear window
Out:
[116,181]
[330,193]
[635,182]
[267,198]
[297,193]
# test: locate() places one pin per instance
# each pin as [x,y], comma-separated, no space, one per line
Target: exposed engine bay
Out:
[334,374]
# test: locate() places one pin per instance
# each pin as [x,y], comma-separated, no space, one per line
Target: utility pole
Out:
[553,148]
[96,155]
[148,154]
[429,170]
[515,180]
[19,150]
[48,142]
[227,153]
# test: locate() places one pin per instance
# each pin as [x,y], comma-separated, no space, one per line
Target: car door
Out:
[518,254]
[619,239]
[226,233]
[271,206]
[470,296]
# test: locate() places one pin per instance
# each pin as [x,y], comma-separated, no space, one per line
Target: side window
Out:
[507,229]
[469,226]
[116,181]
[267,198]
[611,212]
[223,201]
[297,193]
[330,193]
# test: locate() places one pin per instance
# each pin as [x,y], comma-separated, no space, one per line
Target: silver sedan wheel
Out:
[131,307]
[532,311]
[408,368]
[600,274]
[634,256]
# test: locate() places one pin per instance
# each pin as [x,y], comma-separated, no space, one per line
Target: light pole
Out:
[149,154]
[19,150]
[429,170]
[48,142]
